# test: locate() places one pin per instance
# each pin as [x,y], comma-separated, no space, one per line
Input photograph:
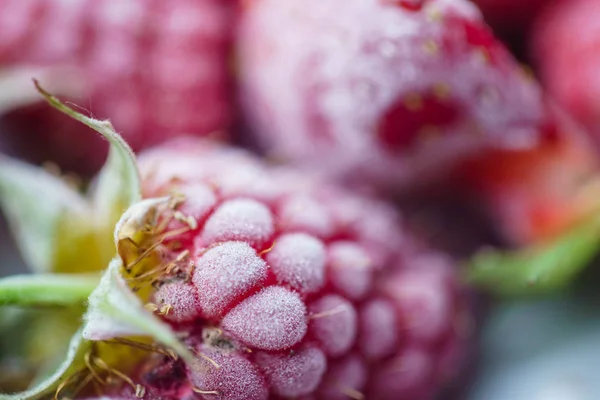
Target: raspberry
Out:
[537,194]
[272,319]
[384,91]
[295,374]
[225,273]
[333,324]
[345,379]
[180,298]
[298,260]
[229,375]
[280,306]
[565,43]
[154,68]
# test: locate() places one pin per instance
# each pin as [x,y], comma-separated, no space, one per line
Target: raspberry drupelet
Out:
[286,286]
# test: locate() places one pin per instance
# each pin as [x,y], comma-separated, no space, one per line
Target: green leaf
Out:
[73,362]
[56,228]
[47,289]
[38,206]
[119,183]
[114,311]
[541,269]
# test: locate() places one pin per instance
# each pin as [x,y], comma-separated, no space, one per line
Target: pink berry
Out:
[295,373]
[272,319]
[305,273]
[350,269]
[345,378]
[178,301]
[156,69]
[302,289]
[226,376]
[422,302]
[240,219]
[378,329]
[564,46]
[306,214]
[224,274]
[381,93]
[409,373]
[333,324]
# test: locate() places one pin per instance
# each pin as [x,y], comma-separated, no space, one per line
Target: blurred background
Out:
[479,121]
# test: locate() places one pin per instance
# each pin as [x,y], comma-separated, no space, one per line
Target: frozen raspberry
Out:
[381,90]
[227,375]
[538,194]
[300,288]
[333,324]
[378,329]
[180,301]
[295,374]
[154,68]
[224,274]
[350,269]
[298,259]
[565,48]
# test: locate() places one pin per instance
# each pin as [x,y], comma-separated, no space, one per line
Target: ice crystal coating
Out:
[272,319]
[298,260]
[240,219]
[177,301]
[227,376]
[224,273]
[295,373]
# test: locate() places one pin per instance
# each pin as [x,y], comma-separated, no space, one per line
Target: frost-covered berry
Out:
[227,375]
[287,286]
[564,48]
[272,319]
[378,91]
[155,69]
[296,373]
[177,301]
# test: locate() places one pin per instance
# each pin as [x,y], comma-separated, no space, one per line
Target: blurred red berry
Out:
[154,68]
[382,91]
[566,49]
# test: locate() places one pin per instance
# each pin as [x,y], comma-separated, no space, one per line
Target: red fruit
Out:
[566,50]
[285,304]
[538,194]
[154,68]
[381,90]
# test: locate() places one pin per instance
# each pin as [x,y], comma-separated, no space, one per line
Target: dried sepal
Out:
[115,311]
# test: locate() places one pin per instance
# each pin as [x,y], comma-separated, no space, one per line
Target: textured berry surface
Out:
[300,289]
[155,68]
[385,90]
[566,51]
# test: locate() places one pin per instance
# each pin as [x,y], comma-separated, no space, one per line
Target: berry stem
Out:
[47,289]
